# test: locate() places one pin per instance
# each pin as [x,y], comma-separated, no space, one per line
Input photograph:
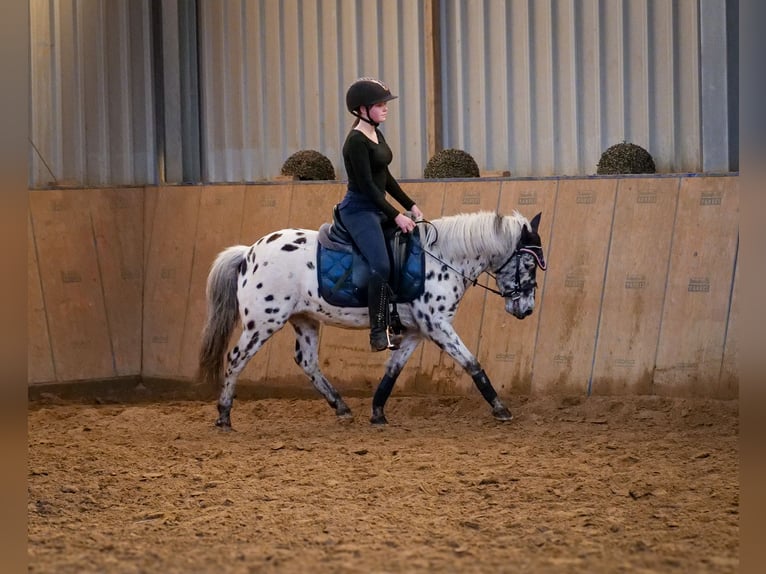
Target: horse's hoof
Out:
[378,419]
[343,412]
[344,416]
[223,425]
[502,415]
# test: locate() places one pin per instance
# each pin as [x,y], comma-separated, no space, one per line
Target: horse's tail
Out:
[222,313]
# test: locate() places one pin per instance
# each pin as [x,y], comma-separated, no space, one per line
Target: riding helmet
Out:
[367,92]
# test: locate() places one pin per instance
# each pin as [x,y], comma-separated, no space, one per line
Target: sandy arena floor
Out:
[618,484]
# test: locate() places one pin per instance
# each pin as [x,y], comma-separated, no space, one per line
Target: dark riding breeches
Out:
[366,227]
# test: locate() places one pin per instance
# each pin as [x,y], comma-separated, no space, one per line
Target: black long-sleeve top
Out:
[367,168]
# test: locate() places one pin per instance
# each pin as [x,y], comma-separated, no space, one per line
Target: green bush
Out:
[449,163]
[625,158]
[309,164]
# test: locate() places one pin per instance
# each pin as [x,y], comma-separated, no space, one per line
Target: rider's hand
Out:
[404,223]
[416,212]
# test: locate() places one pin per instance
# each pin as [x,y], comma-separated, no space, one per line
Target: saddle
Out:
[343,272]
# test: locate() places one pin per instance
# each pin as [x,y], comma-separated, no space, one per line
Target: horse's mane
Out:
[473,234]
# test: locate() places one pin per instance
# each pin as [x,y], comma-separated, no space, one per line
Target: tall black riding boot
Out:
[377,303]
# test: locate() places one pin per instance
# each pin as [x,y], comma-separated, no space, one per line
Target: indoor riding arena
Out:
[622,455]
[162,132]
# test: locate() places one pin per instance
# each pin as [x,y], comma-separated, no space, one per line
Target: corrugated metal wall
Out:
[543,87]
[91,86]
[274,76]
[537,87]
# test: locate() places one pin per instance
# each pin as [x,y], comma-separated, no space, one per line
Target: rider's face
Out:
[378,112]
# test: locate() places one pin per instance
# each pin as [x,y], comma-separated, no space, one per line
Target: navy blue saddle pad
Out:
[343,272]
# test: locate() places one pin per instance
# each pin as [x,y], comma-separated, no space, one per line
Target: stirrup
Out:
[391,343]
[393,339]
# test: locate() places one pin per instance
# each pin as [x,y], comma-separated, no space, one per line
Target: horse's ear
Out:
[535,223]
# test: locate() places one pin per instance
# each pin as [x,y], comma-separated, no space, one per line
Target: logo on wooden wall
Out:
[574,280]
[71,276]
[585,197]
[167,272]
[471,198]
[505,357]
[625,363]
[711,198]
[528,198]
[60,204]
[699,285]
[646,196]
[635,281]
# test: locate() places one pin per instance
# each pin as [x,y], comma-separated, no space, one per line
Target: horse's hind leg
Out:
[247,346]
[307,358]
[394,367]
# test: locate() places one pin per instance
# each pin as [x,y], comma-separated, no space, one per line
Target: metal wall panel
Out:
[543,87]
[537,87]
[92,119]
[274,77]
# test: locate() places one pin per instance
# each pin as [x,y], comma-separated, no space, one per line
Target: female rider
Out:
[364,209]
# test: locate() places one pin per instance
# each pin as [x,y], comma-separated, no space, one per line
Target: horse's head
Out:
[516,278]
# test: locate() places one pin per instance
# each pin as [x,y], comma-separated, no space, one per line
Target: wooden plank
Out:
[118,226]
[71,285]
[506,344]
[728,383]
[635,285]
[39,354]
[168,278]
[220,219]
[267,209]
[310,207]
[428,196]
[312,203]
[573,286]
[345,354]
[696,307]
[437,367]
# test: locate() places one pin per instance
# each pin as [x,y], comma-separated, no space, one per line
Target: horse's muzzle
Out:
[513,306]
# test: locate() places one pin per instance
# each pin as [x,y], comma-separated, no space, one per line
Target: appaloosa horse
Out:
[275,281]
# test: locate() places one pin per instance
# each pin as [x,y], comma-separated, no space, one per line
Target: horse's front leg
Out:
[394,367]
[443,334]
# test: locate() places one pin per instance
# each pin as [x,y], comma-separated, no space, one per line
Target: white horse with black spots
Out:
[274,281]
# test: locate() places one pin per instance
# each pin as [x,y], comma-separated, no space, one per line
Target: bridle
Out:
[537,253]
[535,250]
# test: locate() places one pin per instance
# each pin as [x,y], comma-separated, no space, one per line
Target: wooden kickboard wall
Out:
[640,295]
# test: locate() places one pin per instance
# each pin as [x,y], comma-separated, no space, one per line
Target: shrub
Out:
[309,164]
[449,163]
[625,158]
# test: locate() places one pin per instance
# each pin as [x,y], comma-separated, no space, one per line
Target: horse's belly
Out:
[345,317]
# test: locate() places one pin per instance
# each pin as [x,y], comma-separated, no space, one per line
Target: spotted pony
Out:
[274,282]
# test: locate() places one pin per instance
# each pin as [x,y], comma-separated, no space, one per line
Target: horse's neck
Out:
[469,266]
[472,255]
